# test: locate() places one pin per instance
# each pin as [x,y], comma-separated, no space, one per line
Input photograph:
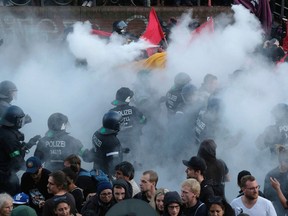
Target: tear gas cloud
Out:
[49,81]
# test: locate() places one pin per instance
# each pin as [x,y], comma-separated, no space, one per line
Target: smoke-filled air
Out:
[50,79]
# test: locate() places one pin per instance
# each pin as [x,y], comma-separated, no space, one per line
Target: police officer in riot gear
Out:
[12,149]
[133,119]
[107,150]
[120,27]
[174,101]
[277,133]
[8,92]
[57,144]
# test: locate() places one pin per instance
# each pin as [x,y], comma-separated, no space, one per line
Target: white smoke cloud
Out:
[49,81]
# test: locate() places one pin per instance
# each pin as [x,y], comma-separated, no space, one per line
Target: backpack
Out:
[96,174]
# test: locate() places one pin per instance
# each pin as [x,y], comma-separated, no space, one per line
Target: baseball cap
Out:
[33,164]
[196,163]
[21,198]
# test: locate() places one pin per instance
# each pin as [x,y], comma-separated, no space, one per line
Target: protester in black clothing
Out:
[84,179]
[190,191]
[57,144]
[76,191]
[122,190]
[217,170]
[196,168]
[132,119]
[34,183]
[57,185]
[172,204]
[107,150]
[12,149]
[101,202]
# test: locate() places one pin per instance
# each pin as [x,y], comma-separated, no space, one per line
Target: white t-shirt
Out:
[263,207]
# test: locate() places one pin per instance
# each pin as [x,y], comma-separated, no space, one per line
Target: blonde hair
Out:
[5,197]
[193,185]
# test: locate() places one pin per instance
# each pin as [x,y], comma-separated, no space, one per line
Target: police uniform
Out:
[106,151]
[55,146]
[174,101]
[132,119]
[11,159]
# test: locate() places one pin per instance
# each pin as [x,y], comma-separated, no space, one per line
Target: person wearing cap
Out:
[20,199]
[133,119]
[34,183]
[102,201]
[196,168]
[58,187]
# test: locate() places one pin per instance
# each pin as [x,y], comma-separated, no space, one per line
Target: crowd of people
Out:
[55,184]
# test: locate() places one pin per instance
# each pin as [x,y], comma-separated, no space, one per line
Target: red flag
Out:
[101,33]
[208,26]
[285,40]
[153,32]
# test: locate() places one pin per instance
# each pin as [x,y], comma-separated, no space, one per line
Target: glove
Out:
[33,141]
[126,150]
[27,119]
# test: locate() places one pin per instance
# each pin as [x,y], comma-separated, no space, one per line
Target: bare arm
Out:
[276,185]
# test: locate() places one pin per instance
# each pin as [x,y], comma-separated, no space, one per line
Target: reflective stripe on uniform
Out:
[56,161]
[14,154]
[112,153]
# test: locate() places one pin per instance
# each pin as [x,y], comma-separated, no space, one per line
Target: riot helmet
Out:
[181,79]
[57,122]
[119,27]
[13,117]
[280,112]
[188,93]
[123,96]
[112,120]
[7,90]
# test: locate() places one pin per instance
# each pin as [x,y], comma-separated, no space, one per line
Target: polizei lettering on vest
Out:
[56,144]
